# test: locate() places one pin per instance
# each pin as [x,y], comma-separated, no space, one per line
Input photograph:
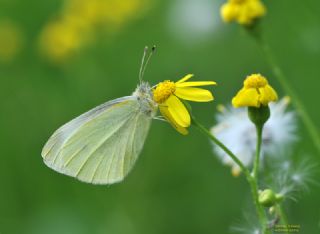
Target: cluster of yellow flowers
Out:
[255,93]
[242,11]
[80,20]
[11,40]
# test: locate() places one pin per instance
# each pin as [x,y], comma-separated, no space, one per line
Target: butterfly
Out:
[102,145]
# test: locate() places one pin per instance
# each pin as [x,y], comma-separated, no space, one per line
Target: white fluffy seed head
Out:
[238,133]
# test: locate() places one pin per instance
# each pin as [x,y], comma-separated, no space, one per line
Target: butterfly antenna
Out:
[147,61]
[145,51]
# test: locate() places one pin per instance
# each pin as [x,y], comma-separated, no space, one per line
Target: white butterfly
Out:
[102,145]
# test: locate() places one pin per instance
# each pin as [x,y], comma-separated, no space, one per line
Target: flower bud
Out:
[259,115]
[267,198]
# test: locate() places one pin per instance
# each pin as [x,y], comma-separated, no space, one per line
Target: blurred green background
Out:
[51,72]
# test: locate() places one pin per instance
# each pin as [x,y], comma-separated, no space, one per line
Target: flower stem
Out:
[305,117]
[282,215]
[255,177]
[258,153]
[221,145]
[251,180]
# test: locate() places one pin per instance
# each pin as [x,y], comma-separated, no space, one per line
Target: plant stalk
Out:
[251,179]
[258,153]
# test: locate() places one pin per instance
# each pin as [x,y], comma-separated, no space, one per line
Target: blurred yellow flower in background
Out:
[242,11]
[256,91]
[79,22]
[167,94]
[60,40]
[11,40]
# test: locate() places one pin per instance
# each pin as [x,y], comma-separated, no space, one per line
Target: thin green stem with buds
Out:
[251,179]
[255,174]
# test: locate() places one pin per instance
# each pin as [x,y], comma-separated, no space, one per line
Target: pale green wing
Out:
[100,146]
[126,147]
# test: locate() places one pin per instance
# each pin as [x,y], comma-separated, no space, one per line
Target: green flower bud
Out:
[267,198]
[259,115]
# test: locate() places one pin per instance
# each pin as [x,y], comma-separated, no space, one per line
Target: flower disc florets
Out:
[255,81]
[163,91]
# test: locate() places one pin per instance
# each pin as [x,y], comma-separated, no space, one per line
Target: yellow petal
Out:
[187,77]
[195,83]
[257,9]
[166,114]
[194,94]
[229,12]
[267,94]
[246,97]
[178,111]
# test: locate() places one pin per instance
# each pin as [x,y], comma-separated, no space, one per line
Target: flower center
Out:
[163,91]
[255,81]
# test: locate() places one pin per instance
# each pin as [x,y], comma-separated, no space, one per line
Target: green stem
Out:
[306,119]
[258,153]
[255,174]
[282,215]
[251,180]
[261,213]
[221,145]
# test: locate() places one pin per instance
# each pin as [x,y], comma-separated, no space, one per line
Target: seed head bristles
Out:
[248,224]
[303,175]
[290,180]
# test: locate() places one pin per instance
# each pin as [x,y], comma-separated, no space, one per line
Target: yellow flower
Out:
[242,11]
[255,92]
[80,21]
[167,94]
[61,39]
[11,40]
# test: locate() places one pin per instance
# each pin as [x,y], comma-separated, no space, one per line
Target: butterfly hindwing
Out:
[101,145]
